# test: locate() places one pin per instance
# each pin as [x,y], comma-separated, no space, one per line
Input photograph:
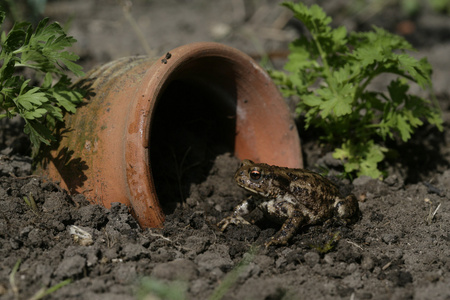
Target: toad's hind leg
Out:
[287,231]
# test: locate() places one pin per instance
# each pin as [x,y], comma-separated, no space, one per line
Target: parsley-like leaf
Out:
[330,70]
[42,50]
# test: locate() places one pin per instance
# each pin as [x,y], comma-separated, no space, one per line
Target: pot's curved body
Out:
[103,151]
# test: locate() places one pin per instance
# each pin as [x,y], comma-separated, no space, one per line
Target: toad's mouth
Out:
[257,193]
[250,189]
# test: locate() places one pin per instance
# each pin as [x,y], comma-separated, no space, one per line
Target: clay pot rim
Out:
[159,74]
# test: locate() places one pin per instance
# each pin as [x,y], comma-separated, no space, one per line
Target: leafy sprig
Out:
[331,70]
[43,52]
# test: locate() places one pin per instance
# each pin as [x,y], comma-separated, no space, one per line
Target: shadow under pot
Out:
[145,119]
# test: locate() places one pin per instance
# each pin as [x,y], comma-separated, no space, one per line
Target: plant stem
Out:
[233,276]
[323,57]
[12,279]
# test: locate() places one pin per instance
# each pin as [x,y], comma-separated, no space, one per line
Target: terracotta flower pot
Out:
[105,149]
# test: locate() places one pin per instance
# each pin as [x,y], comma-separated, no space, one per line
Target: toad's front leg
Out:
[289,228]
[241,210]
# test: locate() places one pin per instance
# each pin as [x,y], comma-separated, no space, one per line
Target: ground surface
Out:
[396,251]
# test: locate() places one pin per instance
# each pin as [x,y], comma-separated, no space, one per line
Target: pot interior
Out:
[194,121]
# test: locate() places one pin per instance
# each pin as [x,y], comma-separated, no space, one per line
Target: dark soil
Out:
[398,250]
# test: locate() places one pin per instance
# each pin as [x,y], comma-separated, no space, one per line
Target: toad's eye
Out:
[255,175]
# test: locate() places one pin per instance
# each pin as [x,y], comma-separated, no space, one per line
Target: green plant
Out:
[40,293]
[440,5]
[232,277]
[329,245]
[331,69]
[151,288]
[40,51]
[31,203]
[176,290]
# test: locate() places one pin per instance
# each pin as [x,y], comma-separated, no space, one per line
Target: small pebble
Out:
[175,270]
[390,238]
[312,258]
[328,259]
[367,263]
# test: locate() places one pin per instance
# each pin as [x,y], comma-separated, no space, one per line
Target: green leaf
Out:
[339,37]
[362,158]
[368,55]
[67,60]
[48,80]
[419,70]
[300,57]
[342,74]
[397,91]
[30,98]
[341,153]
[67,99]
[14,40]
[313,17]
[369,162]
[7,68]
[404,128]
[339,104]
[34,114]
[41,30]
[53,112]
[38,133]
[434,117]
[312,100]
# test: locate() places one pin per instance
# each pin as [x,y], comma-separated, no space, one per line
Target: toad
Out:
[291,197]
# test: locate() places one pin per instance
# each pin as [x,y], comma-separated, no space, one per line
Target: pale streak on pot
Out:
[116,123]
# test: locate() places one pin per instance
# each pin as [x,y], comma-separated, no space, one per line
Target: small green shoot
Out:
[151,288]
[431,213]
[330,70]
[12,279]
[31,203]
[231,278]
[329,245]
[45,292]
[42,52]
[39,294]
